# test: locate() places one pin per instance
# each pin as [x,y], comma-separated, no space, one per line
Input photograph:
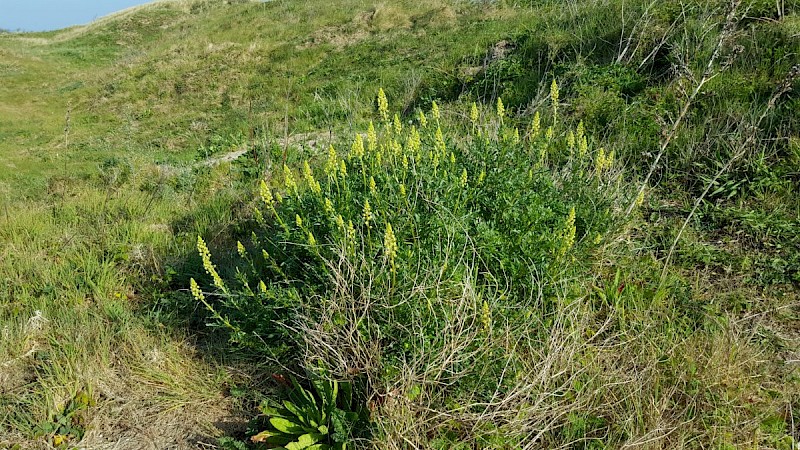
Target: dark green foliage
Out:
[327,416]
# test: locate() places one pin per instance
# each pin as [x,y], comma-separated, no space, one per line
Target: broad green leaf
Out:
[304,441]
[286,426]
[295,411]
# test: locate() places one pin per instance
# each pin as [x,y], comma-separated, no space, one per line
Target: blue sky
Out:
[41,15]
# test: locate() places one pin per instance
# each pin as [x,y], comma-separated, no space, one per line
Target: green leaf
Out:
[270,411]
[286,426]
[304,441]
[301,415]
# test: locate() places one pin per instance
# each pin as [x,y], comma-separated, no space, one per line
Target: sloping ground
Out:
[102,197]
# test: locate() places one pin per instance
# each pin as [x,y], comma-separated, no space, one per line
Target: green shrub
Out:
[420,238]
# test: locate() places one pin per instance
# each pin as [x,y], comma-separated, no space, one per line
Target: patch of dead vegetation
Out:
[379,19]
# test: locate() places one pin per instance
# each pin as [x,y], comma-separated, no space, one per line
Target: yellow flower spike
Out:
[515,136]
[398,125]
[351,230]
[414,142]
[205,256]
[311,241]
[536,125]
[579,131]
[610,159]
[266,194]
[435,111]
[240,249]
[372,138]
[265,255]
[331,165]
[357,149]
[372,186]
[259,216]
[568,234]
[549,133]
[501,109]
[452,158]
[278,197]
[554,97]
[600,161]
[463,179]
[405,162]
[288,180]
[481,176]
[397,149]
[310,180]
[196,292]
[379,158]
[390,244]
[298,220]
[343,168]
[328,208]
[402,190]
[583,147]
[340,222]
[486,317]
[423,121]
[367,215]
[440,145]
[570,141]
[383,106]
[262,287]
[435,161]
[473,114]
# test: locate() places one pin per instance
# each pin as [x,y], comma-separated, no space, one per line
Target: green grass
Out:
[102,197]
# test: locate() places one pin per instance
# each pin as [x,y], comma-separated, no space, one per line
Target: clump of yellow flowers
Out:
[402,171]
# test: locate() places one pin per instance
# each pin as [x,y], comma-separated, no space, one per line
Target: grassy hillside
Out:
[609,260]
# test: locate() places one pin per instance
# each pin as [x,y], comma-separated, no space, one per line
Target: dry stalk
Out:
[709,73]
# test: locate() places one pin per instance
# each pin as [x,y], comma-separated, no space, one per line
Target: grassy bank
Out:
[529,295]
